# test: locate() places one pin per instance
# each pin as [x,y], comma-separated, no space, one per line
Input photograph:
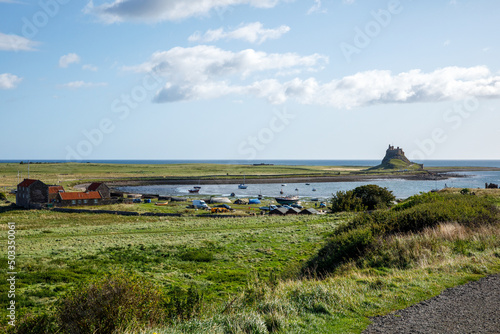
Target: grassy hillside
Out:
[259,274]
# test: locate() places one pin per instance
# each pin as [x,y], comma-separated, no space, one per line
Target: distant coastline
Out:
[312,162]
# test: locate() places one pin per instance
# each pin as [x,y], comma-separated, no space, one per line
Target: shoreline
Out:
[429,176]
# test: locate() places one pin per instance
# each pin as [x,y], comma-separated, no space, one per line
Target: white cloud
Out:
[83,84]
[204,63]
[382,87]
[16,43]
[69,59]
[252,32]
[316,8]
[89,67]
[9,81]
[161,10]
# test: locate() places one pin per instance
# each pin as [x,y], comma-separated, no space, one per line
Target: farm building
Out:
[293,211]
[32,193]
[102,188]
[278,212]
[310,211]
[79,198]
[53,191]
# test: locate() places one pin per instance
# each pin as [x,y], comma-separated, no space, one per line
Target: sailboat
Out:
[243,185]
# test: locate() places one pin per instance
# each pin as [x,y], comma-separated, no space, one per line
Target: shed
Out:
[293,211]
[278,211]
[79,198]
[310,211]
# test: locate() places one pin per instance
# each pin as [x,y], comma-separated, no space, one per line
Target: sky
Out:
[249,79]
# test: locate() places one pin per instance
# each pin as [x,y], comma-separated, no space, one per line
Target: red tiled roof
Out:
[79,195]
[55,189]
[26,183]
[93,186]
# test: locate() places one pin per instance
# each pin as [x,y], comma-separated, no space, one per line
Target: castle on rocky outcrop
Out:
[394,153]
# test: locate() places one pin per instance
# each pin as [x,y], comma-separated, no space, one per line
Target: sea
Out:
[427,163]
[401,188]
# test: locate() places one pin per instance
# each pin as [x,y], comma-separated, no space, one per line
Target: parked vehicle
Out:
[225,206]
[295,205]
[200,204]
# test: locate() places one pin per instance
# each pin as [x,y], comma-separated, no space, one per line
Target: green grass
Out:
[58,250]
[73,173]
[247,268]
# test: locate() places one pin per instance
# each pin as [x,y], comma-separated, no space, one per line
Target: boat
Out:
[281,192]
[308,184]
[164,203]
[314,189]
[243,185]
[197,187]
[287,200]
[194,190]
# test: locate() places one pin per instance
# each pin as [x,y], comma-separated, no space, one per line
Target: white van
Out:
[200,204]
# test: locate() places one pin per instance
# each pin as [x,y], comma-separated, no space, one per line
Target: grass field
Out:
[246,268]
[249,270]
[72,173]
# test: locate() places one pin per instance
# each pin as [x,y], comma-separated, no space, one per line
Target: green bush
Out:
[374,197]
[3,197]
[365,235]
[367,197]
[346,201]
[110,304]
[36,324]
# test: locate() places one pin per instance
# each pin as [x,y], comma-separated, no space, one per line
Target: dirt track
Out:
[469,308]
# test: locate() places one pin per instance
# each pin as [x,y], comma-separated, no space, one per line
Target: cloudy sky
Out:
[249,79]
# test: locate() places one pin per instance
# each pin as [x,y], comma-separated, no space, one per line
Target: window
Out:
[96,201]
[73,202]
[79,201]
[85,201]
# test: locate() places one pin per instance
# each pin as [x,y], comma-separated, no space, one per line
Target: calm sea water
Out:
[401,188]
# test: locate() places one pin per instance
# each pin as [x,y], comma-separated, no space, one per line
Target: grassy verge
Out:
[250,271]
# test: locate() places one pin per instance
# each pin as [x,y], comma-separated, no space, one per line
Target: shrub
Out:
[110,304]
[374,197]
[346,201]
[359,240]
[36,324]
[3,197]
[368,197]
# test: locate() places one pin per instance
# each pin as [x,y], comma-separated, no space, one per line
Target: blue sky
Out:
[249,79]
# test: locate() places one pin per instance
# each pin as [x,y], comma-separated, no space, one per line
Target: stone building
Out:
[32,193]
[102,188]
[53,191]
[78,198]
